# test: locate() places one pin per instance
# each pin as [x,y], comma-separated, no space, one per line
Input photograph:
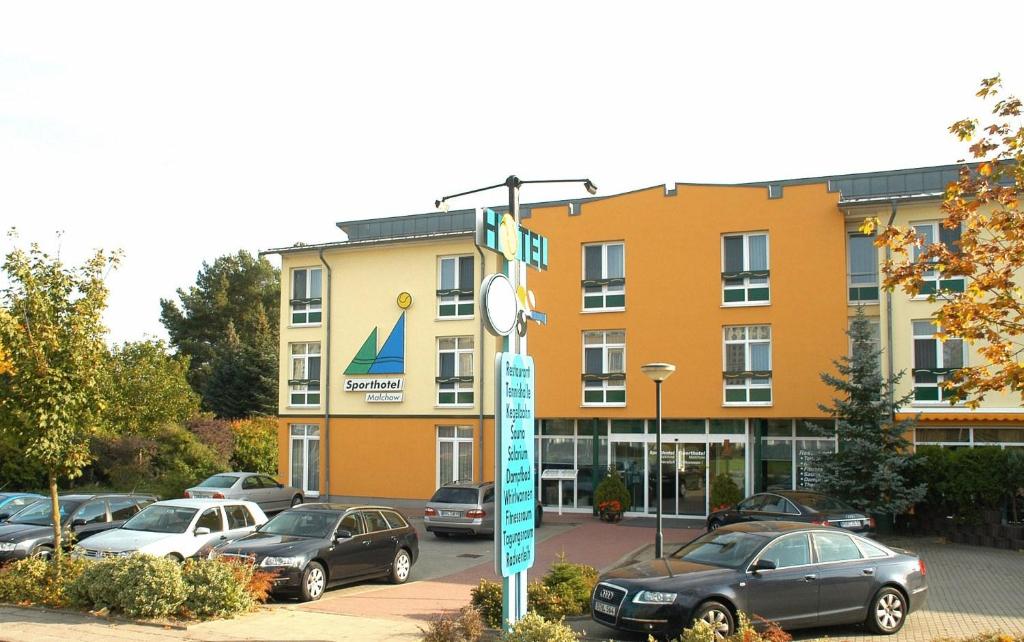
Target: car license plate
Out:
[451,513]
[607,609]
[854,523]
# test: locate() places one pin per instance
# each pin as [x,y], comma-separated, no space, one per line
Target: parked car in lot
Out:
[313,546]
[266,491]
[467,508]
[799,575]
[30,532]
[795,506]
[11,503]
[176,529]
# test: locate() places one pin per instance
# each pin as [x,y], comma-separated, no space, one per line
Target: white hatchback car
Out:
[176,529]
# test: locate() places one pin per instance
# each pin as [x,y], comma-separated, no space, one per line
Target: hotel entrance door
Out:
[683,479]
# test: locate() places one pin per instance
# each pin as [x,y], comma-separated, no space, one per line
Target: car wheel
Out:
[440,534]
[314,581]
[718,616]
[400,567]
[714,525]
[538,518]
[43,552]
[888,611]
[174,557]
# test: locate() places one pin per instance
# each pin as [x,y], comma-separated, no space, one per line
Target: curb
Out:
[116,619]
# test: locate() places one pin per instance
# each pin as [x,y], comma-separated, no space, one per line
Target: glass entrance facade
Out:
[705,463]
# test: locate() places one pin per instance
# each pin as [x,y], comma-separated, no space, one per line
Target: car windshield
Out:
[41,513]
[219,481]
[162,519]
[722,548]
[301,523]
[455,496]
[822,503]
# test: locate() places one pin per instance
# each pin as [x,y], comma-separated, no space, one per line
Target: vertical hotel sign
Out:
[516,482]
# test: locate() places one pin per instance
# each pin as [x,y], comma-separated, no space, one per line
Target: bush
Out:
[702,631]
[534,628]
[255,445]
[466,627]
[724,491]
[486,598]
[36,581]
[139,586]
[967,482]
[612,488]
[215,433]
[573,584]
[216,588]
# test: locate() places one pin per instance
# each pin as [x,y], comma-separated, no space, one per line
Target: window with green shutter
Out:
[745,269]
[935,282]
[934,362]
[604,277]
[455,287]
[454,371]
[604,367]
[307,296]
[747,370]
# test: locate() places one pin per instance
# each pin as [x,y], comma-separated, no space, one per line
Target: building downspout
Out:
[889,359]
[326,389]
[483,369]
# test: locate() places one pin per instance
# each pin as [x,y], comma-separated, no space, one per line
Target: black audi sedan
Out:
[795,506]
[798,575]
[29,532]
[313,546]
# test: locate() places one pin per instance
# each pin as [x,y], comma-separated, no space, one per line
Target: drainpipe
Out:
[482,368]
[326,388]
[888,322]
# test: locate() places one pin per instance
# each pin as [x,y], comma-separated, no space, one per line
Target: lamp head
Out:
[658,371]
[442,205]
[590,187]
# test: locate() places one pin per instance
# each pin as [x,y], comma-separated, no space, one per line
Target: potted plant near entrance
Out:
[612,497]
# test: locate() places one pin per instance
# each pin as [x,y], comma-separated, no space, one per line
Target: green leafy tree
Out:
[255,445]
[870,471]
[144,388]
[50,396]
[239,291]
[243,375]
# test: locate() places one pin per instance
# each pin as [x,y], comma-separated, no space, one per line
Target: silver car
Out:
[465,507]
[264,490]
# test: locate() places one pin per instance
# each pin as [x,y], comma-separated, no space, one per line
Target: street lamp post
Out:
[658,372]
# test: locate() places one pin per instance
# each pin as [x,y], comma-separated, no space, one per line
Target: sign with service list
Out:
[516,483]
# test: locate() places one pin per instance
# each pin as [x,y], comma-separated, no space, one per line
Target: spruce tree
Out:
[871,468]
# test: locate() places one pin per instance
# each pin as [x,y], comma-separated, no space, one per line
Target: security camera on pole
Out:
[506,305]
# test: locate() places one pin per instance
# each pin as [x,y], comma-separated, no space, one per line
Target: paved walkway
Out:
[971,590]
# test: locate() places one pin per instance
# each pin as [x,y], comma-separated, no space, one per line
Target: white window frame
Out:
[932,276]
[749,282]
[458,300]
[306,438]
[972,440]
[458,443]
[310,305]
[850,234]
[303,388]
[939,359]
[747,384]
[607,385]
[457,387]
[607,289]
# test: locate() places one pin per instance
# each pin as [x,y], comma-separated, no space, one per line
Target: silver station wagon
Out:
[263,490]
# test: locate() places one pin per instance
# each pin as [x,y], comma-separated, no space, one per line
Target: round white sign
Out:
[499,304]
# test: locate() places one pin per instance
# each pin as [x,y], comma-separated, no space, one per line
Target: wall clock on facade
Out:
[499,304]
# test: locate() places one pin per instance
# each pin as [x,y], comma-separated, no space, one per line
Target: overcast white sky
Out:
[181,131]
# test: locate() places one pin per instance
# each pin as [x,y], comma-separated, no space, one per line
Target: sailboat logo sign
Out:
[389,360]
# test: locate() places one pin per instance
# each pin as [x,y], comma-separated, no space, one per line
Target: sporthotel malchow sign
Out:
[388,360]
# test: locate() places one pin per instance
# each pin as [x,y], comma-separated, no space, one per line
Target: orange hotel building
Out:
[387,376]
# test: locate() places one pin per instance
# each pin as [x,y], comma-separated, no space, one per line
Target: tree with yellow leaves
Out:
[983,204]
